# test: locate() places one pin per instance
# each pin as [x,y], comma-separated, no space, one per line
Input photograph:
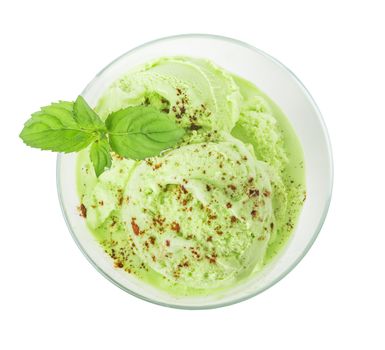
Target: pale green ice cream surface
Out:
[216,208]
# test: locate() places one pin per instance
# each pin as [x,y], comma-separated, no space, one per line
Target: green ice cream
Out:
[216,208]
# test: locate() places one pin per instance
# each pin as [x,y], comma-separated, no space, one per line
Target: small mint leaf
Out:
[100,156]
[85,116]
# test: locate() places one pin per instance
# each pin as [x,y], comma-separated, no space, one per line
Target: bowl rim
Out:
[320,223]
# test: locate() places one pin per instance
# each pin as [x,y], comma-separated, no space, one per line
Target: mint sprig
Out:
[134,132]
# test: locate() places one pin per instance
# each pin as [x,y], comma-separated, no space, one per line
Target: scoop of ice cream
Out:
[200,215]
[258,126]
[194,92]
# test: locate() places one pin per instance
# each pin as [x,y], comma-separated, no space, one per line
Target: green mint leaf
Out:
[85,116]
[54,128]
[100,156]
[141,132]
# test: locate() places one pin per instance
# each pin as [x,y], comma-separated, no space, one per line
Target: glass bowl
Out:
[279,83]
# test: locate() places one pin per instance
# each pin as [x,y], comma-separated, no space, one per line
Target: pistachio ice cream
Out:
[216,208]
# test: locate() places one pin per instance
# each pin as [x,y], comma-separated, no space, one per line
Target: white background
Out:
[52,298]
